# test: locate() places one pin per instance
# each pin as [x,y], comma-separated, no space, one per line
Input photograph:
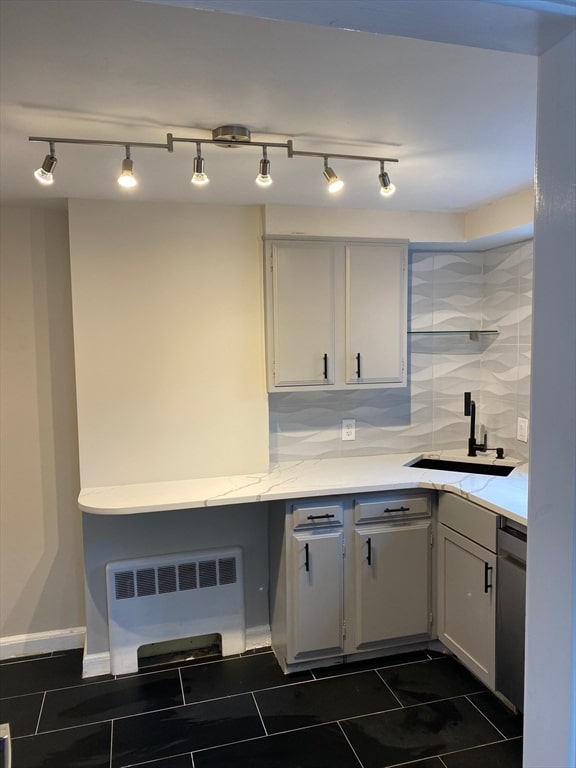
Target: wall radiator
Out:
[172,597]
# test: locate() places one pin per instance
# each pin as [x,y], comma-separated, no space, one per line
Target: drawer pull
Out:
[398,509]
[320,517]
[487,577]
[307,557]
[369,555]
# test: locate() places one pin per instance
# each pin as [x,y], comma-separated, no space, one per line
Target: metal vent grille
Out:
[227,570]
[144,582]
[166,579]
[187,576]
[124,584]
[207,571]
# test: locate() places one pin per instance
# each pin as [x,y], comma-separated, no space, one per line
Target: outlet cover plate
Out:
[348,429]
[522,430]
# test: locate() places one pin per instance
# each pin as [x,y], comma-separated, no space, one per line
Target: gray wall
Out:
[41,579]
[448,291]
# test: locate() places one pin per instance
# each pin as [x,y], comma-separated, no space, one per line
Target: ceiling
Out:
[460,120]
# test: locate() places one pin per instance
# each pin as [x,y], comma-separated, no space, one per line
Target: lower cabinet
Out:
[348,576]
[466,584]
[392,584]
[317,621]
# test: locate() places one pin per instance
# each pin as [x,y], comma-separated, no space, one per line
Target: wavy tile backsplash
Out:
[447,291]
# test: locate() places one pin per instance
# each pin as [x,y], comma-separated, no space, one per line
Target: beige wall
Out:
[41,576]
[169,340]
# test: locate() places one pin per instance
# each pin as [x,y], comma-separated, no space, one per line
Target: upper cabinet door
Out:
[303,321]
[376,311]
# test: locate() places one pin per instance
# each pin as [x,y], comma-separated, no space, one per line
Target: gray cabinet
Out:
[348,575]
[335,314]
[316,588]
[392,585]
[466,584]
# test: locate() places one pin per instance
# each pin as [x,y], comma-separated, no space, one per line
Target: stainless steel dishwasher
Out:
[511,611]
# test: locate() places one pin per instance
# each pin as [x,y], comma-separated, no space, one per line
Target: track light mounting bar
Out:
[226,136]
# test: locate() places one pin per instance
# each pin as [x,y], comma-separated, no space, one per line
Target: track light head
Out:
[334,183]
[386,187]
[264,179]
[199,176]
[126,178]
[44,174]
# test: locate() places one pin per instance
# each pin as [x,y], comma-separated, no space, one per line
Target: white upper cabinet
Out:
[303,324]
[375,314]
[336,314]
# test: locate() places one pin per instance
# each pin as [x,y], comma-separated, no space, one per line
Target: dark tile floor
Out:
[419,709]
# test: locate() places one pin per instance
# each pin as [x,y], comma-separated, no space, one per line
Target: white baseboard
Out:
[42,642]
[95,664]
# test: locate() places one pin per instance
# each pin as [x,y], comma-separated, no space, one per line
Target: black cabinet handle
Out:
[358,366]
[369,555]
[320,517]
[307,556]
[325,367]
[487,574]
[398,509]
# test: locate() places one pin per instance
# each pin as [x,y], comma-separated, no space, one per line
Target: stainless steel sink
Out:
[468,467]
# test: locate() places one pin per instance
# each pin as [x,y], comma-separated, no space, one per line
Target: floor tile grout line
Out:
[268,736]
[350,744]
[259,714]
[111,741]
[40,714]
[485,716]
[181,686]
[442,761]
[390,689]
[476,746]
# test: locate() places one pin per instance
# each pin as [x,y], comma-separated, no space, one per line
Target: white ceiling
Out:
[461,120]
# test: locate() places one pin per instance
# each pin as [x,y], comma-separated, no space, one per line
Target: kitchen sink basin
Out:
[468,467]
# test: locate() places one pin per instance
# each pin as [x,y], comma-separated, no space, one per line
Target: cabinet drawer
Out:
[385,507]
[317,513]
[474,522]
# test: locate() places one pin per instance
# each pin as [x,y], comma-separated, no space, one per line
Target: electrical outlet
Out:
[348,429]
[522,430]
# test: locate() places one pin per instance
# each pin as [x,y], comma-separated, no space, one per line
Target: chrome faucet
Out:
[470,410]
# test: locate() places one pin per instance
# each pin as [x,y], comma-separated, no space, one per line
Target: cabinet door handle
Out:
[369,555]
[325,367]
[307,557]
[320,517]
[398,509]
[358,366]
[487,577]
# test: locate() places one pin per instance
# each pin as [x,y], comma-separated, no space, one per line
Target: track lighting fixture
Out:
[264,179]
[334,183]
[224,136]
[199,177]
[386,186]
[44,173]
[126,178]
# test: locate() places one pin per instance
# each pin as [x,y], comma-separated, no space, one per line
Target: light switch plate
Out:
[348,429]
[522,430]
